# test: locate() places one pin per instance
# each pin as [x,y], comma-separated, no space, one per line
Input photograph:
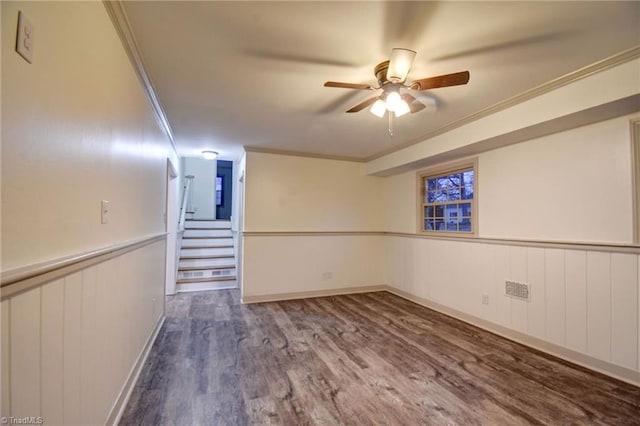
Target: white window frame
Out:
[441,170]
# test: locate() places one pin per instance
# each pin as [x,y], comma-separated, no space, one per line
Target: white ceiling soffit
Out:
[234,74]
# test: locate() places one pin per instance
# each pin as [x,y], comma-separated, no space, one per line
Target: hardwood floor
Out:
[363,359]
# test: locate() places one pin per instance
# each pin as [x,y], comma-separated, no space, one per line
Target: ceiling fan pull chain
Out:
[391,123]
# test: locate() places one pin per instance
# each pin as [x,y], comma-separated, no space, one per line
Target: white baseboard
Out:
[604,367]
[315,293]
[125,393]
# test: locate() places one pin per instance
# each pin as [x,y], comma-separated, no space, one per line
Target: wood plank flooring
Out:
[362,359]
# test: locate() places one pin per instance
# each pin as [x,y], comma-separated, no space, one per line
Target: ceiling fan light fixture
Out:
[399,64]
[379,108]
[394,101]
[209,155]
[402,108]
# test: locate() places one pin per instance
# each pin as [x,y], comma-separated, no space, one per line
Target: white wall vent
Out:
[520,291]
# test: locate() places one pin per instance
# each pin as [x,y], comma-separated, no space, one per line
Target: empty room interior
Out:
[368,212]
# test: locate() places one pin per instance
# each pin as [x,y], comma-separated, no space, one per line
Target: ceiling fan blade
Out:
[299,58]
[446,80]
[341,85]
[400,64]
[362,105]
[414,104]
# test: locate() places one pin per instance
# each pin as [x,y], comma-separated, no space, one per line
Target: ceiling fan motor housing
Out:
[381,73]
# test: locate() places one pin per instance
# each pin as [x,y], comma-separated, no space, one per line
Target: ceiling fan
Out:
[392,75]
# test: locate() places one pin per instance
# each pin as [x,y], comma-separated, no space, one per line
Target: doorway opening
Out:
[224,189]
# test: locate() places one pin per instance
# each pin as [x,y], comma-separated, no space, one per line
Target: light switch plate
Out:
[104,217]
[24,41]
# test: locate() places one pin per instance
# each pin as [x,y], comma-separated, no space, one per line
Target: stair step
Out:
[207,242]
[229,265]
[225,251]
[206,275]
[205,262]
[198,280]
[206,285]
[207,224]
[206,233]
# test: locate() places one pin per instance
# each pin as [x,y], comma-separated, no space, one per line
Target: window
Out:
[447,200]
[218,190]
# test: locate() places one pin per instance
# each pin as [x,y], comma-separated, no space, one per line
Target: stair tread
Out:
[209,256]
[209,237]
[206,268]
[186,228]
[206,247]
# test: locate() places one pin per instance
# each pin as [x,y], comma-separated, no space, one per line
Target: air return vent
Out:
[521,291]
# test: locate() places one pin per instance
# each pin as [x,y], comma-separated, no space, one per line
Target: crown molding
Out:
[262,150]
[121,24]
[603,65]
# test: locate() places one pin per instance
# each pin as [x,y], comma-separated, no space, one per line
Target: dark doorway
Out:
[224,189]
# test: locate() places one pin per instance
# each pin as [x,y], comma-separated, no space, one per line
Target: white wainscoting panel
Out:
[52,361]
[599,305]
[70,345]
[576,300]
[554,281]
[624,297]
[536,308]
[25,354]
[6,372]
[582,300]
[518,272]
[290,264]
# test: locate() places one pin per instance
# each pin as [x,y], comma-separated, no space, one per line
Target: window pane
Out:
[453,194]
[465,209]
[431,184]
[465,224]
[428,225]
[439,225]
[451,210]
[439,211]
[429,211]
[467,193]
[431,197]
[455,179]
[444,182]
[467,177]
[452,226]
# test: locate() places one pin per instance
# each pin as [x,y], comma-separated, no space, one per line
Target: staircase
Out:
[207,259]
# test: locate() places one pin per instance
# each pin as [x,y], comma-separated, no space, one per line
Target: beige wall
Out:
[76,129]
[573,186]
[298,195]
[286,193]
[203,186]
[570,186]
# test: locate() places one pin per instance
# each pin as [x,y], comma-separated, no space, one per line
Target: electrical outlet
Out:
[24,41]
[485,299]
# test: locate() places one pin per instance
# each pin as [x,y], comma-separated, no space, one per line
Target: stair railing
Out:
[186,199]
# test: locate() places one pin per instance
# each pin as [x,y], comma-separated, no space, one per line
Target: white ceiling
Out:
[232,73]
